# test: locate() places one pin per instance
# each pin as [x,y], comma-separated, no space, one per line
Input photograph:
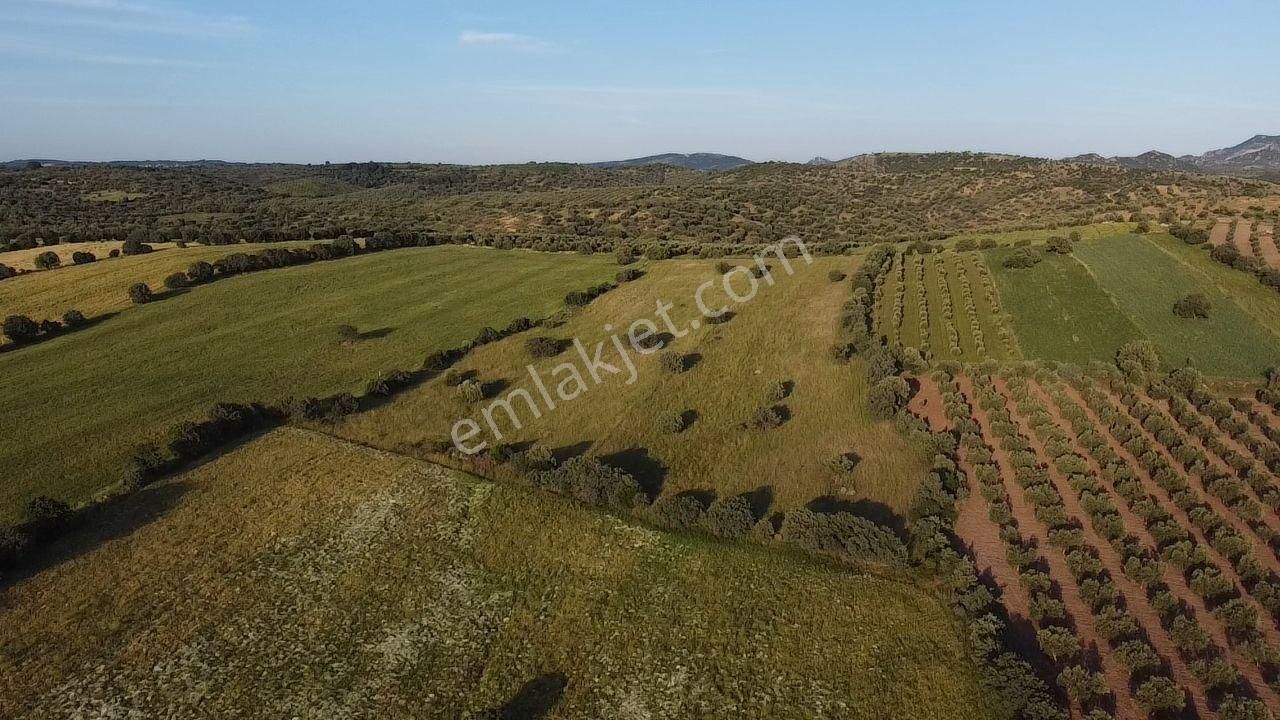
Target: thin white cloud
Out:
[126,16]
[505,41]
[19,48]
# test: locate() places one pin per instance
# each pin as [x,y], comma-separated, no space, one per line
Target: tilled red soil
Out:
[1172,577]
[1081,616]
[1244,230]
[1135,597]
[1218,235]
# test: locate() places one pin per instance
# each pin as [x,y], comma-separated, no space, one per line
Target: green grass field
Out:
[1146,281]
[781,336]
[1037,237]
[85,399]
[1058,311]
[301,576]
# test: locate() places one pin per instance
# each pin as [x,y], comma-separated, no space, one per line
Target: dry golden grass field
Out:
[301,576]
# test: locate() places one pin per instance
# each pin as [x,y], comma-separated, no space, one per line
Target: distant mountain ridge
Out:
[692,161]
[1259,155]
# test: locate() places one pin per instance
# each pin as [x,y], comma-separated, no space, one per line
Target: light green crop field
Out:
[1146,281]
[783,335]
[301,576]
[85,399]
[1059,312]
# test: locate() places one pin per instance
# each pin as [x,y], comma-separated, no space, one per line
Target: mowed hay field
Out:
[26,259]
[79,403]
[783,335]
[301,576]
[1110,291]
[103,286]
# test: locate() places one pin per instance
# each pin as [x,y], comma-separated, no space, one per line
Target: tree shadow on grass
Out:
[96,525]
[648,471]
[375,334]
[535,699]
[760,500]
[566,452]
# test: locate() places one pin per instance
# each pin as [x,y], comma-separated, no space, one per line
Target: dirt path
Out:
[1244,229]
[1081,616]
[1218,235]
[1173,578]
[1270,251]
[1134,595]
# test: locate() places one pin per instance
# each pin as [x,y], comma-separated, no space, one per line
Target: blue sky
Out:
[479,82]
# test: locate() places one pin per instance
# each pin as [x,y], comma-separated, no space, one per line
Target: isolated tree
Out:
[199,272]
[48,260]
[20,328]
[1195,305]
[175,281]
[73,318]
[140,293]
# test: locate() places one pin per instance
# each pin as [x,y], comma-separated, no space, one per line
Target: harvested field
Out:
[1220,233]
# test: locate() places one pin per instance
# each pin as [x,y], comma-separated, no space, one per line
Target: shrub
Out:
[48,260]
[486,336]
[50,327]
[343,404]
[6,272]
[679,512]
[766,418]
[46,516]
[139,293]
[175,281]
[135,247]
[1059,245]
[593,482]
[518,325]
[673,362]
[471,391]
[723,267]
[544,347]
[843,464]
[836,276]
[777,392]
[1238,708]
[1194,305]
[74,318]
[627,275]
[842,533]
[439,361]
[729,518]
[20,328]
[348,333]
[388,382]
[887,397]
[81,257]
[1023,257]
[672,423]
[199,272]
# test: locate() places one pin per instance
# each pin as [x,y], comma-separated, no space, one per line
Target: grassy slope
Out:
[1059,312]
[86,398]
[782,335]
[26,259]
[102,287]
[1145,282]
[336,580]
[1087,232]
[1261,303]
